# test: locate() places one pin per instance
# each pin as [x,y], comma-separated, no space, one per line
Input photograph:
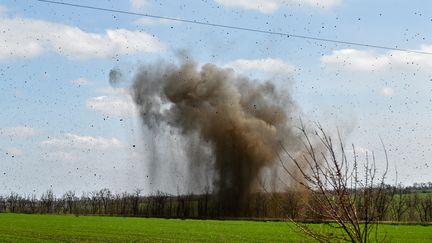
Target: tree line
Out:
[400,204]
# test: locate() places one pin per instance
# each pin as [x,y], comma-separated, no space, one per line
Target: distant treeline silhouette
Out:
[409,204]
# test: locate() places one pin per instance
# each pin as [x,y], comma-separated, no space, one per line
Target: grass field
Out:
[34,228]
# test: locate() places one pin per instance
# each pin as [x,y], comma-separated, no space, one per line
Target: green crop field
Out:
[24,228]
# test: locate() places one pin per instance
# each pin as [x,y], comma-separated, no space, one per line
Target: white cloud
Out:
[365,61]
[112,105]
[359,152]
[13,151]
[355,60]
[80,148]
[138,5]
[259,5]
[268,65]
[27,38]
[152,21]
[14,132]
[388,92]
[269,6]
[82,82]
[113,90]
[73,141]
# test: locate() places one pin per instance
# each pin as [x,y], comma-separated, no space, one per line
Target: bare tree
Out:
[32,203]
[135,197]
[424,207]
[47,201]
[292,204]
[104,196]
[94,202]
[400,203]
[354,199]
[70,199]
[3,204]
[12,202]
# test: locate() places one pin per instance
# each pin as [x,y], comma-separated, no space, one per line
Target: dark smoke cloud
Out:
[229,122]
[115,76]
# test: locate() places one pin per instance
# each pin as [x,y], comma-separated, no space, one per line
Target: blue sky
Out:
[63,127]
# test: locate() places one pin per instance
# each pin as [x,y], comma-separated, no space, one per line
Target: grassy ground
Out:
[34,228]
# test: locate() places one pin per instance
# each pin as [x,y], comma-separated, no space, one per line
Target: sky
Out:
[63,127]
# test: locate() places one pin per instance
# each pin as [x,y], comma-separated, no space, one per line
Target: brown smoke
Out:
[239,120]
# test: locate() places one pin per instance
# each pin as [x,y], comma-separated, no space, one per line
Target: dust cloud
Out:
[228,122]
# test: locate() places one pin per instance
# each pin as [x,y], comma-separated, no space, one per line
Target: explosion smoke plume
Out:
[239,120]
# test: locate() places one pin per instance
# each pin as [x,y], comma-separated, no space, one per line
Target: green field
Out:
[24,228]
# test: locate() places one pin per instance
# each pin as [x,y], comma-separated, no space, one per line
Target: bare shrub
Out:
[347,194]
